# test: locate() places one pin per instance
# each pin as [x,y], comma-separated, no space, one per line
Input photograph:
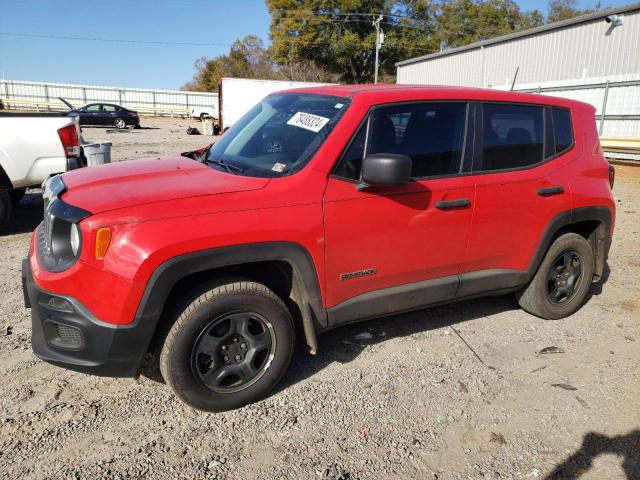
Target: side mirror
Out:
[385,169]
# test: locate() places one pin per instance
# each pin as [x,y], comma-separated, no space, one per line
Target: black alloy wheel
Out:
[234,351]
[230,344]
[564,277]
[562,281]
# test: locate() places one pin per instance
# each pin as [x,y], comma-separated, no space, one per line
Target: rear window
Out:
[562,129]
[513,136]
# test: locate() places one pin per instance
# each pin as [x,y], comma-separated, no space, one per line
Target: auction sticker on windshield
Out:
[308,121]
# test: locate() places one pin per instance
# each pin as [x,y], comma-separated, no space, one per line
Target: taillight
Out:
[612,176]
[70,141]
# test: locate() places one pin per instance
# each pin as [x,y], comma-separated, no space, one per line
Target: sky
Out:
[154,42]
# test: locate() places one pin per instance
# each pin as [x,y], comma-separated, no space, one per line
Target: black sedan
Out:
[105,114]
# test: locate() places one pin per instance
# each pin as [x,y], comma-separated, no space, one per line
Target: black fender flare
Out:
[602,238]
[305,281]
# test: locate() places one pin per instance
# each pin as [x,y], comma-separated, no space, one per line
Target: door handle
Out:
[548,191]
[449,204]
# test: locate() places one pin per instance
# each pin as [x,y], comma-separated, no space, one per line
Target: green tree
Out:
[247,58]
[565,9]
[338,36]
[461,22]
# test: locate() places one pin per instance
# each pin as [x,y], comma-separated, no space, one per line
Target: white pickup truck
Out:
[32,148]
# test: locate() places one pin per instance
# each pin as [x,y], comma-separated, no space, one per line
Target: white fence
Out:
[616,99]
[25,95]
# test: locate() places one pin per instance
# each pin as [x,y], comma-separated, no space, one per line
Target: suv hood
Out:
[139,182]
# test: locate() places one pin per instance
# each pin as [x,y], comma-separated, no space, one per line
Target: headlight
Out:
[60,244]
[59,240]
[75,239]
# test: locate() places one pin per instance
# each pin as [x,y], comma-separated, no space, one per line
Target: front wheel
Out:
[119,123]
[560,285]
[6,206]
[229,347]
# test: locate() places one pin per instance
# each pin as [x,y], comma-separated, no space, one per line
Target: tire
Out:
[229,347]
[16,195]
[6,206]
[560,285]
[119,123]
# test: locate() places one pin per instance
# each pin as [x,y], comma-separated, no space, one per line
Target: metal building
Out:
[594,58]
[602,44]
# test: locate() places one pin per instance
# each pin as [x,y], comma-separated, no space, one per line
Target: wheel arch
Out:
[4,179]
[593,223]
[285,267]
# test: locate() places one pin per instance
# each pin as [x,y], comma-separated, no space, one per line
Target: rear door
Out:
[90,114]
[109,114]
[396,236]
[520,187]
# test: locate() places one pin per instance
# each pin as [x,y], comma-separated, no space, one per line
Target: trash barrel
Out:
[97,153]
[207,126]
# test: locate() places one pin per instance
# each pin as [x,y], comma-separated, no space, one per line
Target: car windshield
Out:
[278,136]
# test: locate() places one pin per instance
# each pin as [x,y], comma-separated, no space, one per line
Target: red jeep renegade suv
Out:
[322,206]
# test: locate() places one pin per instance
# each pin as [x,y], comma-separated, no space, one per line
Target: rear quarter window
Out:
[562,129]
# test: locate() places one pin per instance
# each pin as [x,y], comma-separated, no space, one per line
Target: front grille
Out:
[69,336]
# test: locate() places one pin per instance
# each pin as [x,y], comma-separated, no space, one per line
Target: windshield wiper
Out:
[227,166]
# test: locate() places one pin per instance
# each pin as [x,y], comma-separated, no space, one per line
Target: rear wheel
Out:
[229,347]
[119,123]
[6,206]
[560,285]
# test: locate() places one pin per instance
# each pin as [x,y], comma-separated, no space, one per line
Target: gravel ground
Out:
[455,392]
[158,136]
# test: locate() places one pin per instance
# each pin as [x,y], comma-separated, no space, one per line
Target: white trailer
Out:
[238,95]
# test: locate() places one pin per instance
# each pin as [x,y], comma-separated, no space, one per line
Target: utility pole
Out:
[379,42]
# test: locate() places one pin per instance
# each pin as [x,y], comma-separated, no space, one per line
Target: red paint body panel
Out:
[160,209]
[398,231]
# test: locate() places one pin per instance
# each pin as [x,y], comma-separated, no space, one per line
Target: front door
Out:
[397,247]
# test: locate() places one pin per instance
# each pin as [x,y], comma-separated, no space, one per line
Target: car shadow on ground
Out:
[342,344]
[27,214]
[595,444]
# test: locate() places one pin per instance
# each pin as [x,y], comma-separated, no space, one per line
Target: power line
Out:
[198,44]
[339,14]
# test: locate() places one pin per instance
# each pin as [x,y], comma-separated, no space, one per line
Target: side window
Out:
[513,136]
[93,108]
[108,108]
[432,134]
[562,129]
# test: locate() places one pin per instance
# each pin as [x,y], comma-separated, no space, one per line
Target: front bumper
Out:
[65,333]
